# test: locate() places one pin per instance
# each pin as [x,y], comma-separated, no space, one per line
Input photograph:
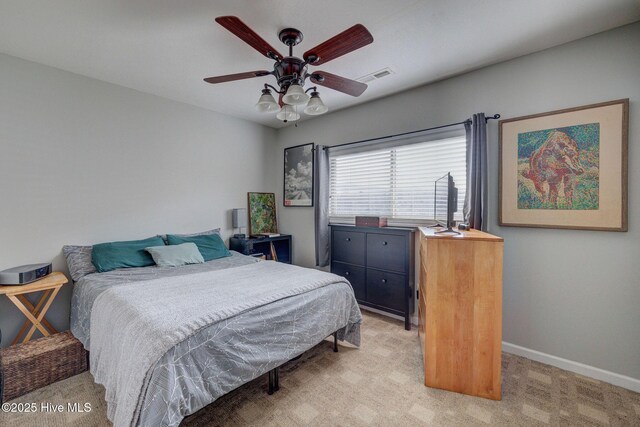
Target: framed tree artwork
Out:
[566,168]
[298,175]
[262,213]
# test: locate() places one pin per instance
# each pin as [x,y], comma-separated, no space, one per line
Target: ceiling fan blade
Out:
[341,84]
[240,29]
[341,44]
[237,76]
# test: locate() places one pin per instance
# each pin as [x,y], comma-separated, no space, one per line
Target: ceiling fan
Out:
[291,72]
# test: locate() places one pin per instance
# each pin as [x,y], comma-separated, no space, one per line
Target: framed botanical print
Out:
[566,168]
[298,175]
[262,213]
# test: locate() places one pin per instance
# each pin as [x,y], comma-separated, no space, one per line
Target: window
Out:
[396,182]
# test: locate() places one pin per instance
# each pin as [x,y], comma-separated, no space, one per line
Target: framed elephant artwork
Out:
[566,168]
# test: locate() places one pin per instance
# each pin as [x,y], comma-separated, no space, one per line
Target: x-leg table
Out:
[49,286]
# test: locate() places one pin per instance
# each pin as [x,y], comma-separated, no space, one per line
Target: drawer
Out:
[386,289]
[355,276]
[386,252]
[348,246]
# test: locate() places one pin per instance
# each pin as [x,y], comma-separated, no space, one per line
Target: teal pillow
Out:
[211,246]
[109,256]
[176,255]
[200,233]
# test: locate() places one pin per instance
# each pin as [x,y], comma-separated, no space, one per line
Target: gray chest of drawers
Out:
[379,264]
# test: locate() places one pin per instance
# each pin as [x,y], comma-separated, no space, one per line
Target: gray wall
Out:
[83,161]
[572,294]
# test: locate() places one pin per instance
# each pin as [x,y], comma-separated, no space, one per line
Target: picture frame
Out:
[262,213]
[298,176]
[565,169]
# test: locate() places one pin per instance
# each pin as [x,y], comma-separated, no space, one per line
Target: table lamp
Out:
[239,221]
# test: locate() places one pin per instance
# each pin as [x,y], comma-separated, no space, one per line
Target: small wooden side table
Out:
[49,286]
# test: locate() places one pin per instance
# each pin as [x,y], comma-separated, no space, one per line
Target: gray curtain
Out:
[321,204]
[475,200]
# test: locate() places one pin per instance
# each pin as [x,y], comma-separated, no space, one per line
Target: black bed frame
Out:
[274,374]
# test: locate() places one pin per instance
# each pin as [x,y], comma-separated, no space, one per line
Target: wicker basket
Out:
[29,366]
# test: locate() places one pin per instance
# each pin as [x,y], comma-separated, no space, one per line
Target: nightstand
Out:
[280,246]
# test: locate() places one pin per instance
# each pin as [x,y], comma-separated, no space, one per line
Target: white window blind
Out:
[397,182]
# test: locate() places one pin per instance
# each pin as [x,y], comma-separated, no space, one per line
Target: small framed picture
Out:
[566,169]
[262,213]
[298,175]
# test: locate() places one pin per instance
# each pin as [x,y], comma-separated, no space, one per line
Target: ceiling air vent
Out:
[376,75]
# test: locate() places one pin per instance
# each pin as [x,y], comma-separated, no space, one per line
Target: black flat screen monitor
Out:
[445,202]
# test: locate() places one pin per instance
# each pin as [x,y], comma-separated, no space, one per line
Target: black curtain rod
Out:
[486,119]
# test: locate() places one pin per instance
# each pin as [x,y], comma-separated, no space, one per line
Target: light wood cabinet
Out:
[460,311]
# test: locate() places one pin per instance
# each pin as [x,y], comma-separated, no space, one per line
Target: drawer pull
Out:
[346,273]
[384,280]
[348,239]
[384,243]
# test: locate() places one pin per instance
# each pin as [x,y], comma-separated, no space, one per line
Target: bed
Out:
[167,341]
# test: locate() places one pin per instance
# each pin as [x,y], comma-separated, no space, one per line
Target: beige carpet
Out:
[379,384]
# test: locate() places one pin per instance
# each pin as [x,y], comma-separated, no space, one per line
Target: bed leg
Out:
[271,381]
[274,380]
[335,342]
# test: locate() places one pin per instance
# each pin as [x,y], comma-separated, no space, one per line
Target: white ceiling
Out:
[166,47]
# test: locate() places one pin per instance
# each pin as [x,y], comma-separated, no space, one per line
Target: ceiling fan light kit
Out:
[287,113]
[291,72]
[315,107]
[267,103]
[295,95]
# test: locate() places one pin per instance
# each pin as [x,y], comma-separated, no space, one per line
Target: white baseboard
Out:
[577,367]
[624,381]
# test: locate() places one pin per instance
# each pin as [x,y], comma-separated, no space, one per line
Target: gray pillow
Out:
[202,233]
[79,261]
[175,255]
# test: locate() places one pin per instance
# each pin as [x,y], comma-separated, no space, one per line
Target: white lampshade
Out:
[295,95]
[239,218]
[315,106]
[267,103]
[287,113]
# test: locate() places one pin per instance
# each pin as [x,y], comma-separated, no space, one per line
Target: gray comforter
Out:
[186,361]
[87,289]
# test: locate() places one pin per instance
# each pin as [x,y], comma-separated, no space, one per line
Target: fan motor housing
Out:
[290,70]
